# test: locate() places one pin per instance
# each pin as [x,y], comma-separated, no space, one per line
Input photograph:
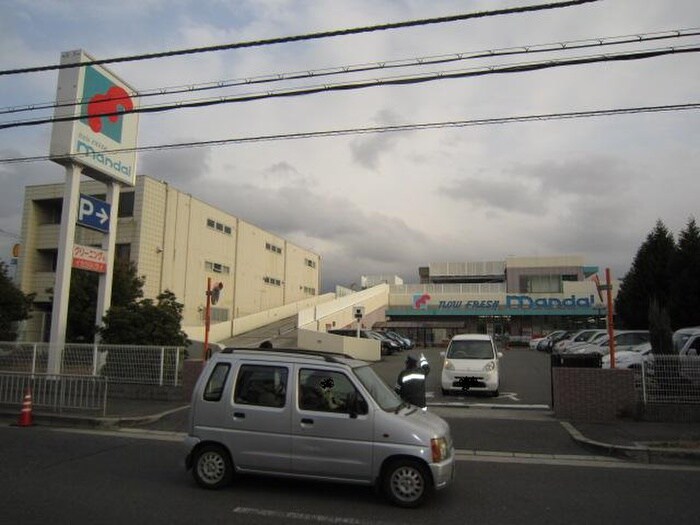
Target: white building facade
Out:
[176,242]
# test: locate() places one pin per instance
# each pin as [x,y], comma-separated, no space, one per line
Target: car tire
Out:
[212,467]
[445,392]
[407,483]
[494,393]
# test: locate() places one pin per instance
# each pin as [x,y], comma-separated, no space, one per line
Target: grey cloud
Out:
[179,166]
[580,176]
[504,195]
[368,150]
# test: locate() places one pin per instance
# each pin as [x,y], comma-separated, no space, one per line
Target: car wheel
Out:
[212,467]
[445,392]
[494,393]
[407,483]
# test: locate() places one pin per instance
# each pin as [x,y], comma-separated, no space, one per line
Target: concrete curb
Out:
[75,420]
[640,453]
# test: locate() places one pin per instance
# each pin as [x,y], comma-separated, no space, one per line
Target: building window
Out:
[126,204]
[218,226]
[309,291]
[310,263]
[122,252]
[216,267]
[273,248]
[272,281]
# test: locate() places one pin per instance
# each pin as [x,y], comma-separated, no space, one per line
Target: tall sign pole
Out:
[61,291]
[88,139]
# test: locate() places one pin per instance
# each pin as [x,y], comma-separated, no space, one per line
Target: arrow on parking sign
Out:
[93,213]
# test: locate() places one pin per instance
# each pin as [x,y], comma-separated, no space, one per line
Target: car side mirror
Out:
[442,354]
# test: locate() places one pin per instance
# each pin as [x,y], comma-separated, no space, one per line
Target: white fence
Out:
[146,365]
[670,379]
[55,393]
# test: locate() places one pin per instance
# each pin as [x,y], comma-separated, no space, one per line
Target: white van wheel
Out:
[407,482]
[212,468]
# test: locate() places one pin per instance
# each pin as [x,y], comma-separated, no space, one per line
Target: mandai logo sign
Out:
[104,97]
[420,301]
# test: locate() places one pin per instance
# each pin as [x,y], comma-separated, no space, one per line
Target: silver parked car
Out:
[313,415]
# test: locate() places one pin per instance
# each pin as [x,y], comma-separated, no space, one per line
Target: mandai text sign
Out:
[97,138]
[520,302]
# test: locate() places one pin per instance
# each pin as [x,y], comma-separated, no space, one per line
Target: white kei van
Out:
[313,415]
[471,364]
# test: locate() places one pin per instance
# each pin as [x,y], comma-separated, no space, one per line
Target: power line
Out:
[390,81]
[305,37]
[381,65]
[377,129]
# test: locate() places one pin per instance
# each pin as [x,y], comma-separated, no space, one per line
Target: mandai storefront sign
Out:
[518,302]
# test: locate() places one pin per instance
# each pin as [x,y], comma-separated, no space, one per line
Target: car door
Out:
[258,431]
[331,438]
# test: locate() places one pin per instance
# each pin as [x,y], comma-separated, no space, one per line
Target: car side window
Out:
[261,385]
[327,391]
[216,382]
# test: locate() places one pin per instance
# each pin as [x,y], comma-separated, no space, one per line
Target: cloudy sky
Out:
[391,202]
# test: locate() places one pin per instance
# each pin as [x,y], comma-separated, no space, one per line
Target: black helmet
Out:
[411,361]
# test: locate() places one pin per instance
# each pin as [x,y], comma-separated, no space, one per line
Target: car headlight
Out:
[449,365]
[439,449]
[489,367]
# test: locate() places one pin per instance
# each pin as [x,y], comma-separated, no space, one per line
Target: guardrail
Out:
[146,365]
[56,393]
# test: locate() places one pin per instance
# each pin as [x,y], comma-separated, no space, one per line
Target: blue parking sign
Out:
[93,213]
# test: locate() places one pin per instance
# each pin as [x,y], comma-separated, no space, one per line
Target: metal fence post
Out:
[33,359]
[644,383]
[177,366]
[94,359]
[162,364]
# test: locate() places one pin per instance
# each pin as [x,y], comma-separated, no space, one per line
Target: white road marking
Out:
[303,516]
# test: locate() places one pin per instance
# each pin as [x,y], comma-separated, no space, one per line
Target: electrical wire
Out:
[306,37]
[373,130]
[381,65]
[363,84]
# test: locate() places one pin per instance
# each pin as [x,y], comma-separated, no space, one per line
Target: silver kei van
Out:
[313,415]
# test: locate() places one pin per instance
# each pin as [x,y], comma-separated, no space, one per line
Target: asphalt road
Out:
[52,476]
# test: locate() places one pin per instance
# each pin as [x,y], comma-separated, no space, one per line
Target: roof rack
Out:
[326,356]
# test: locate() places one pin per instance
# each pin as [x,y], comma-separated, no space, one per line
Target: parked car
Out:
[404,344]
[582,336]
[593,338]
[554,338]
[684,339]
[392,345]
[310,415]
[408,342]
[632,358]
[534,342]
[543,345]
[471,364]
[624,340]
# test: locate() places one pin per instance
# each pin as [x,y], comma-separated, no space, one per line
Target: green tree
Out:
[146,323]
[648,278]
[685,278]
[14,305]
[660,332]
[127,288]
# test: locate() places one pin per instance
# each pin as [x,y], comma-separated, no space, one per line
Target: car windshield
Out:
[385,397]
[470,350]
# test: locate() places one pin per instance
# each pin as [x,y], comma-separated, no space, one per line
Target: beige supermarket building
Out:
[176,242]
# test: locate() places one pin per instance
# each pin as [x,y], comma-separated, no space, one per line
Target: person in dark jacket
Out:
[410,384]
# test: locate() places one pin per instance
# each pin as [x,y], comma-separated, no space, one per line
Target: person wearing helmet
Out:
[410,384]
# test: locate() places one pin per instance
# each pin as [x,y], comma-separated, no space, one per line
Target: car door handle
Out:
[239,415]
[307,421]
